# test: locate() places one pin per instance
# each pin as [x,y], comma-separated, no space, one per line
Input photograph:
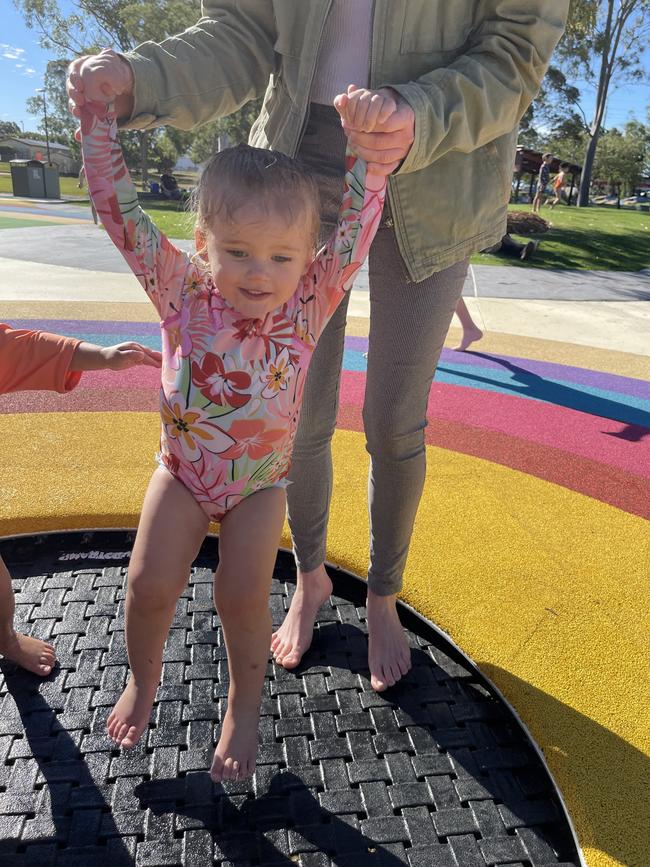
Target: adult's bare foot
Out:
[389,654]
[130,716]
[30,653]
[470,335]
[293,638]
[236,752]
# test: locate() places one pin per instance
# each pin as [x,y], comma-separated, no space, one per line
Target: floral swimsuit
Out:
[231,386]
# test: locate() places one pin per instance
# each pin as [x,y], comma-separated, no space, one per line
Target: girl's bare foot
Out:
[294,636]
[30,653]
[470,335]
[389,654]
[236,752]
[130,716]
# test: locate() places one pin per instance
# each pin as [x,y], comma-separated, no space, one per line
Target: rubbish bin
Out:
[34,179]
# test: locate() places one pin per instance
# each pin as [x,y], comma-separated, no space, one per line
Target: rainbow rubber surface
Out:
[531,546]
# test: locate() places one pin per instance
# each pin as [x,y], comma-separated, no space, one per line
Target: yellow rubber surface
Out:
[557,619]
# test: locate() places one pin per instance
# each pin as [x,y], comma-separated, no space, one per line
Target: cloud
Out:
[29,72]
[10,52]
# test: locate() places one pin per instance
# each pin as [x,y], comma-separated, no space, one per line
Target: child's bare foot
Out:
[470,335]
[30,653]
[389,654]
[236,752]
[294,636]
[130,716]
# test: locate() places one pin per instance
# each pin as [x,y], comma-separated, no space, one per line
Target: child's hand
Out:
[126,355]
[104,77]
[392,136]
[364,110]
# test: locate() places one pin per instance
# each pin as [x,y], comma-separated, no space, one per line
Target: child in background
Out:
[240,321]
[34,360]
[558,186]
[542,181]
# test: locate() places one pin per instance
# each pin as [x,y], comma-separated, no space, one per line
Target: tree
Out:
[554,113]
[622,158]
[232,130]
[121,24]
[603,43]
[9,129]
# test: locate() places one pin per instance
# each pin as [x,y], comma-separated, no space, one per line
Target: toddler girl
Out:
[239,324]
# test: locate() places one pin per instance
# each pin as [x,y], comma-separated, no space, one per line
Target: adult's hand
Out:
[391,140]
[103,77]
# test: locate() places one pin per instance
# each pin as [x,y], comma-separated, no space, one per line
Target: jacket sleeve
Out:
[160,267]
[209,70]
[334,269]
[484,93]
[35,360]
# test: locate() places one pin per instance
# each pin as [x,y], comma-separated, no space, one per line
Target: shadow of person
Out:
[67,806]
[525,383]
[271,829]
[603,778]
[632,433]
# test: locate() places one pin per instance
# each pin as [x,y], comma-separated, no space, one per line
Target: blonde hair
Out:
[239,175]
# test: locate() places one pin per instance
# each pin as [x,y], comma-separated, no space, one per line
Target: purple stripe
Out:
[87,326]
[577,375]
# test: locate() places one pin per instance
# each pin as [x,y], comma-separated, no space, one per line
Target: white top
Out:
[344,54]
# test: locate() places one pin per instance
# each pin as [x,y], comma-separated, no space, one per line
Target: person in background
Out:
[169,186]
[558,186]
[542,182]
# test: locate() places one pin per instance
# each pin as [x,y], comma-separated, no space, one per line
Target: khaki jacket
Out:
[468,68]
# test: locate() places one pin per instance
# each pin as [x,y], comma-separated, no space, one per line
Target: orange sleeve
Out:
[33,360]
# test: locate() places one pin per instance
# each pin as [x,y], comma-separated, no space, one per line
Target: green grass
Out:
[598,239]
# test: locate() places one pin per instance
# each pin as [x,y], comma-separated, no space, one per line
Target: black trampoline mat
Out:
[435,772]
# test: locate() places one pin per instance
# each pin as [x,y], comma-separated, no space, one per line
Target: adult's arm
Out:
[209,70]
[484,93]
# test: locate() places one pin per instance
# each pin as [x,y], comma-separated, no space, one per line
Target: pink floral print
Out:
[231,387]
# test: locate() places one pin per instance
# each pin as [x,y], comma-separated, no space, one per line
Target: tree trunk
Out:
[587,168]
[144,161]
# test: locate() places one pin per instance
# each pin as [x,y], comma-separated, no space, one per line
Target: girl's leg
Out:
[471,331]
[408,325]
[171,529]
[30,653]
[248,545]
[309,494]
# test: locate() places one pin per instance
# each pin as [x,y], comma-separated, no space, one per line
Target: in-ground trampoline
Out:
[435,772]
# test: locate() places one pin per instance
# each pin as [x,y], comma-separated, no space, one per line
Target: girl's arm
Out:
[334,269]
[160,267]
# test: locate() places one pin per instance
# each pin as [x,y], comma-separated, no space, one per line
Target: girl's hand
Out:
[392,122]
[364,110]
[104,77]
[126,355]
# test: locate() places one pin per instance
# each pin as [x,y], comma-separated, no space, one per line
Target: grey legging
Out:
[408,325]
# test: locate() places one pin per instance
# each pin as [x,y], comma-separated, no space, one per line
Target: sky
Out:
[23,61]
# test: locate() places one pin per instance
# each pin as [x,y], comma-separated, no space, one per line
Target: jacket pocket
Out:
[436,25]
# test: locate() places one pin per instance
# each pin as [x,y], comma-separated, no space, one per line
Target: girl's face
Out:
[256,260]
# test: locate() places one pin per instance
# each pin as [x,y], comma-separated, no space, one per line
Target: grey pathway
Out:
[85,246]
